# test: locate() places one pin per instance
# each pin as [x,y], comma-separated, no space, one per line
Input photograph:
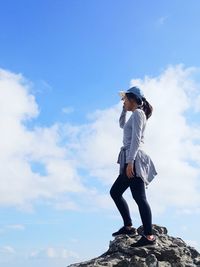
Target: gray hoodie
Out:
[133,140]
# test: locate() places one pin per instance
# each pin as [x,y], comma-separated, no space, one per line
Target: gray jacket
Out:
[133,139]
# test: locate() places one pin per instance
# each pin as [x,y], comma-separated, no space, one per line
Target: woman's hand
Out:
[129,170]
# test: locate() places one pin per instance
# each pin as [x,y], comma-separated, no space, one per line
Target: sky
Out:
[62,64]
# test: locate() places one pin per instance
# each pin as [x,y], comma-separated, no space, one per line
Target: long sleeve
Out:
[122,118]
[137,126]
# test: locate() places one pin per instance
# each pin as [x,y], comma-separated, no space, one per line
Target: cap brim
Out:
[122,94]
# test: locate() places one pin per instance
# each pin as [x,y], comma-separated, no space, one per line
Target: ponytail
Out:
[147,108]
[143,104]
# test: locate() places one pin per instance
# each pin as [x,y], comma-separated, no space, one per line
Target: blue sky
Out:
[62,64]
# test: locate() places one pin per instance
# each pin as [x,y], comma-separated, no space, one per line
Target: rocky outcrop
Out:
[168,252]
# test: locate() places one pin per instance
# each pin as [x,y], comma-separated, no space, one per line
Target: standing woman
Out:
[136,167]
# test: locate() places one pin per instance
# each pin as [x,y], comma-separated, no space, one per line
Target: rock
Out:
[168,252]
[151,261]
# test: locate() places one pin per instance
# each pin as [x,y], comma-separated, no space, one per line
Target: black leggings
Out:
[138,192]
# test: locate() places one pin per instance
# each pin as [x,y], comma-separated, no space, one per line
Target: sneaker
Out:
[143,241]
[125,231]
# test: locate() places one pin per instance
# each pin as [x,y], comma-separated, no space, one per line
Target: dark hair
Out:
[143,104]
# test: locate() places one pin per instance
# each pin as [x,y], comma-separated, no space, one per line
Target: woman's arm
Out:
[122,119]
[137,125]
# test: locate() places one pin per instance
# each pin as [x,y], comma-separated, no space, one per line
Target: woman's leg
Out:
[138,192]
[116,191]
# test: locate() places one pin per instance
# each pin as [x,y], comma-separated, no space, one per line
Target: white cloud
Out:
[65,254]
[172,141]
[171,138]
[197,104]
[53,253]
[21,148]
[67,110]
[95,145]
[66,205]
[16,227]
[7,254]
[11,227]
[162,20]
[8,250]
[64,163]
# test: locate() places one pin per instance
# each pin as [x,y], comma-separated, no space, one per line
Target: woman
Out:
[136,167]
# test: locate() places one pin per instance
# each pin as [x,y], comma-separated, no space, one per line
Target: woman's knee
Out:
[114,193]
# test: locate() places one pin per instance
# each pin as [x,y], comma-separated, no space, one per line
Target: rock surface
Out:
[168,252]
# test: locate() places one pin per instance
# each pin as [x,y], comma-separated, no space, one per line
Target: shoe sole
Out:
[131,234]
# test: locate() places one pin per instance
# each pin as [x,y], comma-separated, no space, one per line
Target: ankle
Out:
[128,227]
[150,237]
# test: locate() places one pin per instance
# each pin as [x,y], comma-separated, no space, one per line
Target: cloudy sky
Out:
[62,64]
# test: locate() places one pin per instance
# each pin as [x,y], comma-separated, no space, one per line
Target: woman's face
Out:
[129,105]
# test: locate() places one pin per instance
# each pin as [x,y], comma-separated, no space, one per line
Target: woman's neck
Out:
[134,108]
